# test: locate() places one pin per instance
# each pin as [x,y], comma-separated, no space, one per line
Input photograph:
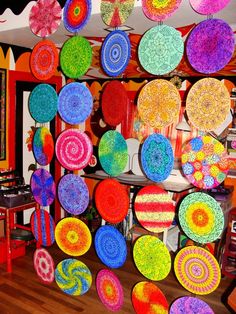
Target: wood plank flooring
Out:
[21,292]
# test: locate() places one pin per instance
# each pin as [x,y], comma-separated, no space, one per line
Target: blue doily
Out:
[110,246]
[75,103]
[43,103]
[115,53]
[73,194]
[157,157]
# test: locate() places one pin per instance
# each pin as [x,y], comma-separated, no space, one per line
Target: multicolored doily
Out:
[73,236]
[45,17]
[190,305]
[110,246]
[43,187]
[73,194]
[154,208]
[43,103]
[76,57]
[112,200]
[44,60]
[110,290]
[114,102]
[73,149]
[159,10]
[208,7]
[76,14]
[115,12]
[157,157]
[43,227]
[73,277]
[44,265]
[159,103]
[148,298]
[43,146]
[75,103]
[152,257]
[212,100]
[201,217]
[113,153]
[160,49]
[205,162]
[115,53]
[210,46]
[197,270]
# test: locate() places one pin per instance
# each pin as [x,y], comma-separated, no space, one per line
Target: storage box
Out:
[13,200]
[17,249]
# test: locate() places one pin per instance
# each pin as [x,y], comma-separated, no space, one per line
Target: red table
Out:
[9,214]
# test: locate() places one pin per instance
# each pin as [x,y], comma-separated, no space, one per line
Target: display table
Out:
[9,214]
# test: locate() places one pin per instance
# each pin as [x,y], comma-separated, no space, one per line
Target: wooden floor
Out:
[22,292]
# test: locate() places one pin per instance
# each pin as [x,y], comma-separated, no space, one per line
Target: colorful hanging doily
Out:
[113,153]
[110,246]
[208,7]
[73,236]
[44,60]
[115,13]
[205,162]
[43,227]
[152,257]
[73,277]
[75,57]
[43,146]
[212,100]
[161,49]
[148,298]
[197,270]
[45,17]
[159,10]
[75,103]
[154,208]
[190,305]
[44,265]
[112,200]
[73,149]
[110,290]
[201,217]
[210,46]
[159,103]
[43,103]
[73,194]
[157,157]
[43,187]
[115,53]
[114,103]
[76,14]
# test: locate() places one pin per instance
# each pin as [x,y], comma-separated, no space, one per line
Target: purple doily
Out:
[210,46]
[43,187]
[73,194]
[190,305]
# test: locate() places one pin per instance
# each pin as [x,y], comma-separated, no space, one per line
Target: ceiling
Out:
[14,29]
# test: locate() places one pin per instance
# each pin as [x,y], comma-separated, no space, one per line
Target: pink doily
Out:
[73,149]
[207,7]
[109,290]
[45,17]
[44,265]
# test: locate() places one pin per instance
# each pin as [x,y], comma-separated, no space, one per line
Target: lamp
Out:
[183,124]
